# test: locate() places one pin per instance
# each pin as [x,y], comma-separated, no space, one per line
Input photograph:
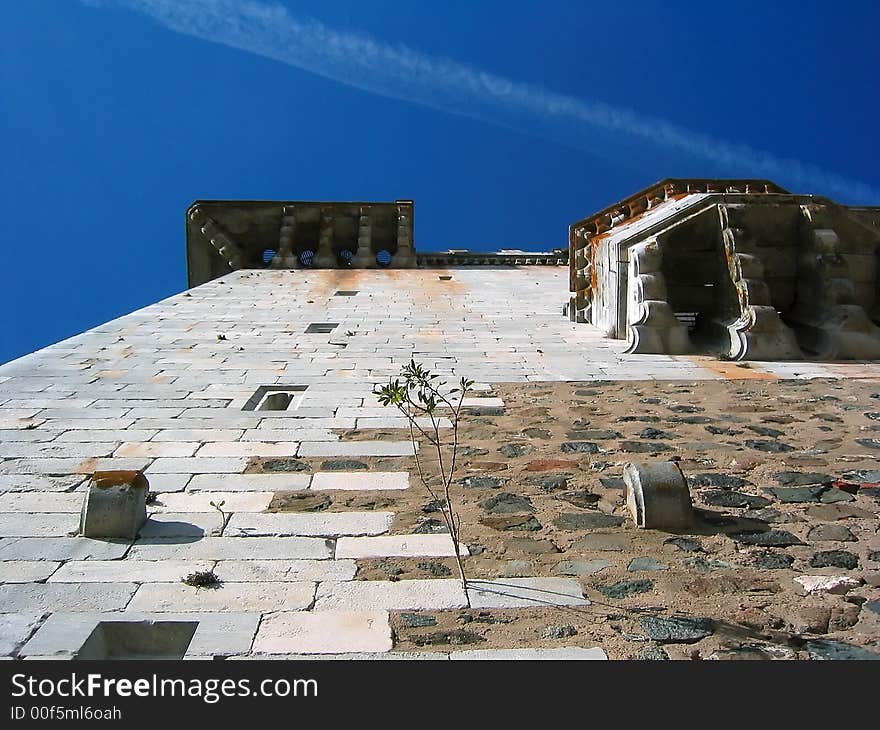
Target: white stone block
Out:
[249,482]
[181,524]
[26,408]
[163,597]
[300,434]
[365,481]
[38,525]
[248,448]
[231,548]
[102,414]
[8,424]
[15,628]
[156,448]
[168,482]
[403,546]
[85,436]
[358,657]
[238,571]
[29,435]
[197,465]
[356,448]
[327,524]
[566,653]
[836,584]
[383,595]
[231,421]
[201,502]
[221,634]
[52,450]
[379,412]
[34,597]
[391,422]
[62,548]
[201,435]
[88,424]
[154,412]
[295,414]
[62,467]
[26,571]
[128,571]
[324,632]
[285,424]
[35,483]
[41,502]
[483,405]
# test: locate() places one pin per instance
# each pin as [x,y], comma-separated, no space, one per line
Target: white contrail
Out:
[399,72]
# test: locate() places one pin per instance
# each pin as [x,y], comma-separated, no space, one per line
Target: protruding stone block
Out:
[115,505]
[657,495]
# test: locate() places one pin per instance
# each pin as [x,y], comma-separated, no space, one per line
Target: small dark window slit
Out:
[273,397]
[321,328]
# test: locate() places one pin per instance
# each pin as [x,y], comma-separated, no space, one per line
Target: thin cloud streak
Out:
[398,72]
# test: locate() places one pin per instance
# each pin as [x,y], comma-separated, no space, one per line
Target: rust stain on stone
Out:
[328,281]
[106,479]
[425,285]
[731,370]
[112,374]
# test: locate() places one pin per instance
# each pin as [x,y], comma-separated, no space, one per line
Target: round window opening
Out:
[307,258]
[268,255]
[383,258]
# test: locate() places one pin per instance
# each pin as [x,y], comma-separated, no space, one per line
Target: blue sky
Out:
[504,120]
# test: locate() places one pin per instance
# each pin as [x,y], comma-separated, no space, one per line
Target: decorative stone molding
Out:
[364,257]
[286,257]
[219,238]
[758,333]
[652,326]
[296,234]
[443,259]
[827,315]
[325,258]
[581,233]
[404,258]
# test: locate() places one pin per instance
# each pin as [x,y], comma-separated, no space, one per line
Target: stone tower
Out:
[247,402]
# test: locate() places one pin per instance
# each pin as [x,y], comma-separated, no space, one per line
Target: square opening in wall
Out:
[138,640]
[275,398]
[345,293]
[276,402]
[321,328]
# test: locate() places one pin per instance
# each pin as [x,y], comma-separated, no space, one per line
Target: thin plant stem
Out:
[419,381]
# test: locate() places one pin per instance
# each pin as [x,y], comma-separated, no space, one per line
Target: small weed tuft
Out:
[202,579]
